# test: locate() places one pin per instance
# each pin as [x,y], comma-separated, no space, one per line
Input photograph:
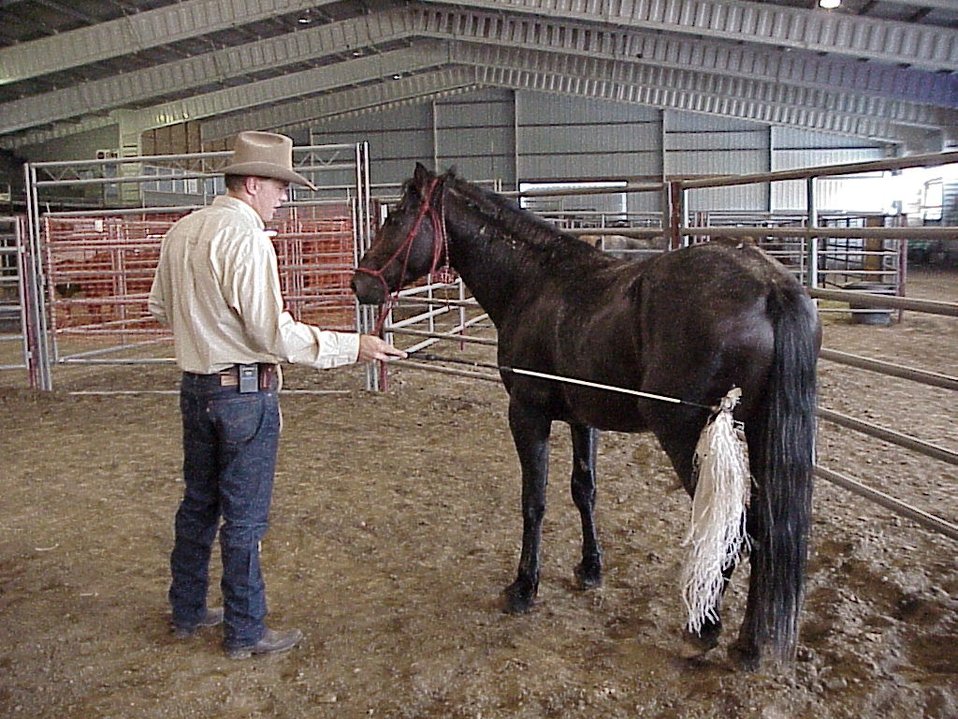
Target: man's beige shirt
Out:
[217,287]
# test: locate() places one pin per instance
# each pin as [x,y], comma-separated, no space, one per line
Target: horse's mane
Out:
[512,219]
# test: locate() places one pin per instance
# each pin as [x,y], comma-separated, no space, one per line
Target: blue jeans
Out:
[230,442]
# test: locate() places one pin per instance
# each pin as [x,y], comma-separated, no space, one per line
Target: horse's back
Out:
[708,318]
[687,324]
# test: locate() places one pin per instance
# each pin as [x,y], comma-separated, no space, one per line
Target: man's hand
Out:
[373,348]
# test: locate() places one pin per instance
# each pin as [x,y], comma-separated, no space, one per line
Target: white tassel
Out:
[717,532]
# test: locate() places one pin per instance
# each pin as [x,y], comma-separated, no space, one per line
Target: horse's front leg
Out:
[585,441]
[530,432]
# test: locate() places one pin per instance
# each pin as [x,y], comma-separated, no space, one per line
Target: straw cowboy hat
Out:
[264,154]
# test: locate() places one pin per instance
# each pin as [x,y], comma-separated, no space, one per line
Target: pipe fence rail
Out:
[91,269]
[812,268]
[823,248]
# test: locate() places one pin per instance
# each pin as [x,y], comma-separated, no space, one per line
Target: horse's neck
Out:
[479,250]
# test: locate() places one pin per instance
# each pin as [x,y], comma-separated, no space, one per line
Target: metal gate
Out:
[93,265]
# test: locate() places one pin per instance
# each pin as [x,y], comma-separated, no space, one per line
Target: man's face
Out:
[269,195]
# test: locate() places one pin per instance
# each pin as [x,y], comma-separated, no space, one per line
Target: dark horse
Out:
[688,324]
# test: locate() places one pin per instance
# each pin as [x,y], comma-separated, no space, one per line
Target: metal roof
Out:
[883,70]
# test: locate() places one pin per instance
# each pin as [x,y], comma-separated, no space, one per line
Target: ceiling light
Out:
[829,4]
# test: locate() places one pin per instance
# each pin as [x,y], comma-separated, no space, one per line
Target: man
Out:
[217,287]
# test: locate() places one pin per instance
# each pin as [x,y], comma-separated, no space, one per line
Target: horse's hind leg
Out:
[584,444]
[530,432]
[678,439]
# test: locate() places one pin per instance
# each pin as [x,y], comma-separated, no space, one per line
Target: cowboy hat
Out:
[264,154]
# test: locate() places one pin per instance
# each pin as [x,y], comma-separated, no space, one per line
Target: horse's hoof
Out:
[702,642]
[588,577]
[749,660]
[516,600]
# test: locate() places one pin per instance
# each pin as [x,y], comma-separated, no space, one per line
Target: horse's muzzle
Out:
[369,290]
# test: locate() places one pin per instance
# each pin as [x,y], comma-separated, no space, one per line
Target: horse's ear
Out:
[421,175]
[448,177]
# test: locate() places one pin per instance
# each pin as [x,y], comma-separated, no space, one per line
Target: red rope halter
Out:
[440,248]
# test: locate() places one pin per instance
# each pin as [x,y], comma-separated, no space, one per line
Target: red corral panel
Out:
[314,245]
[99,269]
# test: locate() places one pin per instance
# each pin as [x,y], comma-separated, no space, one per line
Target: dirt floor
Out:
[396,524]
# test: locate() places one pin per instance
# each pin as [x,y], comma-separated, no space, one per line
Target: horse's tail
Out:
[782,455]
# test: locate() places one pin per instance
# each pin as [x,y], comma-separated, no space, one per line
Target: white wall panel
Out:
[698,145]
[790,138]
[569,165]
[475,133]
[81,146]
[397,140]
[486,108]
[815,156]
[865,193]
[617,138]
[534,107]
[699,122]
[509,136]
[563,137]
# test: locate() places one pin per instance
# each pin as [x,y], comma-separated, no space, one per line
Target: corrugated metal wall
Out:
[797,149]
[476,133]
[949,202]
[397,140]
[514,136]
[575,138]
[563,137]
[698,145]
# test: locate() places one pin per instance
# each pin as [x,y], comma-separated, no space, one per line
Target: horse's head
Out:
[410,243]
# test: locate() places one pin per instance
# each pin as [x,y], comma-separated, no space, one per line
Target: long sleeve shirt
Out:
[217,286]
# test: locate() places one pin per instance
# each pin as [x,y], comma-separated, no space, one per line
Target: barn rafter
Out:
[222,63]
